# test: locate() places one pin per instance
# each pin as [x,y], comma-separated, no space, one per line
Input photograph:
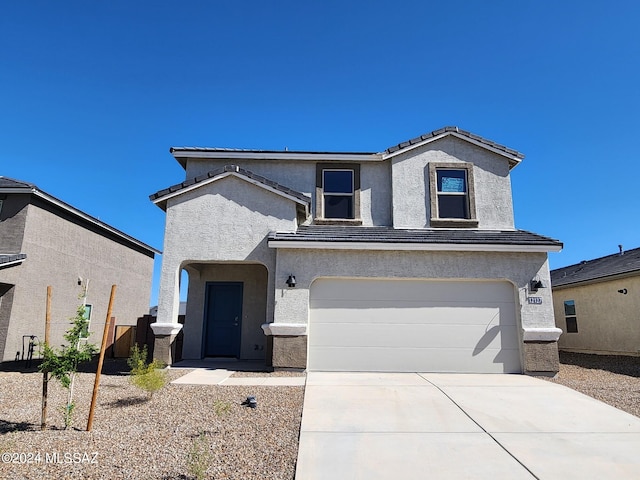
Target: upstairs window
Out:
[452,195]
[338,194]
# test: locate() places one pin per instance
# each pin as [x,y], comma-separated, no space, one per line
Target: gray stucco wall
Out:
[375,182]
[292,305]
[58,253]
[225,221]
[410,184]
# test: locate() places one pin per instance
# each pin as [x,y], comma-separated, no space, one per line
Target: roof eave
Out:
[182,154]
[79,213]
[455,247]
[514,159]
[605,278]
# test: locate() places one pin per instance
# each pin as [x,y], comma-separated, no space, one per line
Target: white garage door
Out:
[413,326]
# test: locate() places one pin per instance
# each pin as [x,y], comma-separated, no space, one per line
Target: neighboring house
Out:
[597,304]
[47,242]
[403,260]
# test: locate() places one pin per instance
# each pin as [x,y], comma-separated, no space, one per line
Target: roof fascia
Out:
[456,247]
[12,263]
[78,213]
[220,177]
[180,155]
[513,160]
[607,278]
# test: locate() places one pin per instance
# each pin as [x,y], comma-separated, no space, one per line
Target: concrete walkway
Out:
[218,372]
[455,426]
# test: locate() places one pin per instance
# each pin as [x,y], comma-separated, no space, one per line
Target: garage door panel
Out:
[414,335]
[402,290]
[364,359]
[413,325]
[462,315]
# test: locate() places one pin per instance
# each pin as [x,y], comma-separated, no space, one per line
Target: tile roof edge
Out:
[229,168]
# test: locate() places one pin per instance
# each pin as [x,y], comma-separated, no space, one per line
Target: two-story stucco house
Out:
[402,260]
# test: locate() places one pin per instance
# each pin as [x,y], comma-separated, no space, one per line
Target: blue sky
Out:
[93,94]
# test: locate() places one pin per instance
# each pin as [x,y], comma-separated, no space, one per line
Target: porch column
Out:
[166,326]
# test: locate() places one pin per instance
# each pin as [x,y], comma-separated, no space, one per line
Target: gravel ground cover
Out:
[614,380]
[134,437]
[183,426]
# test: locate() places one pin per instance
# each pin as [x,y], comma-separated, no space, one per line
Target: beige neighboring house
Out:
[597,304]
[45,241]
[405,260]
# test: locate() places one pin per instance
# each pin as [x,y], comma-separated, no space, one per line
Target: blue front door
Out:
[223,319]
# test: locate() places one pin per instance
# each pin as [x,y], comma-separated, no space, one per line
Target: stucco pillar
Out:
[289,350]
[166,326]
[541,351]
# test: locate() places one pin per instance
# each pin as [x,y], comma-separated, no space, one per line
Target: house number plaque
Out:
[535,300]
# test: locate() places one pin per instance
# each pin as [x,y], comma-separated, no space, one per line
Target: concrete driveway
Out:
[460,426]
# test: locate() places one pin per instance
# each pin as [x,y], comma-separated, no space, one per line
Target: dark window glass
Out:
[338,206]
[338,181]
[569,307]
[453,206]
[572,324]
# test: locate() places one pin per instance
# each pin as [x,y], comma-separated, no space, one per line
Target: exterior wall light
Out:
[291,281]
[534,285]
[623,291]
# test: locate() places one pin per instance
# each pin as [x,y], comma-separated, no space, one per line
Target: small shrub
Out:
[147,376]
[199,458]
[221,407]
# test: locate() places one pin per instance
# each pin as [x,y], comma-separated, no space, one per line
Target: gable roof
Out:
[598,269]
[389,238]
[160,198]
[13,186]
[182,153]
[513,155]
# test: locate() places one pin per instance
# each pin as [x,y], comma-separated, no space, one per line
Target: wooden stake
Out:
[105,335]
[45,375]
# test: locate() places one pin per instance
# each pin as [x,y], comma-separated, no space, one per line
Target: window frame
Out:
[434,193]
[320,193]
[88,309]
[573,317]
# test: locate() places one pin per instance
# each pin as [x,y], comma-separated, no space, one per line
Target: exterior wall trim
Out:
[310,156]
[541,334]
[451,247]
[160,329]
[289,329]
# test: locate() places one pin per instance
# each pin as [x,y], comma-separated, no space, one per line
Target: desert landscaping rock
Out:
[139,438]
